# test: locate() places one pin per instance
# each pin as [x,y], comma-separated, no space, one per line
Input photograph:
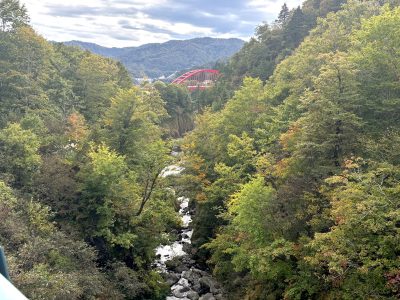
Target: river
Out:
[187,281]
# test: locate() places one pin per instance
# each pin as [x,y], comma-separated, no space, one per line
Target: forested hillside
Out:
[164,59]
[82,206]
[296,180]
[271,44]
[291,162]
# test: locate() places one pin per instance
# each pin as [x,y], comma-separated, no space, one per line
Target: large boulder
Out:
[187,260]
[184,235]
[207,296]
[201,272]
[209,284]
[184,282]
[192,295]
[178,264]
[187,248]
[181,289]
[178,294]
[171,278]
[191,276]
[172,264]
[181,268]
[197,288]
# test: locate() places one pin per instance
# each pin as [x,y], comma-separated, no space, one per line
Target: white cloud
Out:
[122,23]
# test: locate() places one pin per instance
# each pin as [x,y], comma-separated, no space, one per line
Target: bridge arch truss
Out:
[198,79]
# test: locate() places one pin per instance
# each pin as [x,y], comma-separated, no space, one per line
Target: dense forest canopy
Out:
[81,150]
[291,162]
[300,175]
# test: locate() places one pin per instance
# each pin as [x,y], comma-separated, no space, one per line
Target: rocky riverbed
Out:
[175,262]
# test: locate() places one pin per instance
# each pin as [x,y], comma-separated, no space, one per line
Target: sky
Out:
[128,23]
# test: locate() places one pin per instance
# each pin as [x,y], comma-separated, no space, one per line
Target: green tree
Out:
[328,131]
[99,83]
[12,15]
[104,203]
[376,55]
[19,154]
[132,128]
[132,120]
[296,29]
[358,254]
[180,108]
[283,15]
[45,262]
[23,67]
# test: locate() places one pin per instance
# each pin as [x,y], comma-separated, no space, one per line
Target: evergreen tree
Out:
[296,29]
[283,16]
[12,15]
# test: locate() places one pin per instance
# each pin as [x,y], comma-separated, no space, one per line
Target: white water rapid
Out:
[168,252]
[186,281]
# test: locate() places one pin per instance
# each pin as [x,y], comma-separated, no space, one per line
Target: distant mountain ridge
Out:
[162,59]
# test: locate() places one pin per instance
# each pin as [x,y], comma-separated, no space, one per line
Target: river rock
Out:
[171,278]
[184,289]
[192,295]
[187,248]
[179,294]
[181,268]
[178,264]
[191,276]
[197,288]
[200,272]
[209,284]
[180,291]
[183,282]
[172,264]
[207,296]
[187,260]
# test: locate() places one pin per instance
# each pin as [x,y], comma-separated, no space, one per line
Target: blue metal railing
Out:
[7,290]
[3,265]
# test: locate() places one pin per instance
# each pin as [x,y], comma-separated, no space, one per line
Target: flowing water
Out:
[187,282]
[168,252]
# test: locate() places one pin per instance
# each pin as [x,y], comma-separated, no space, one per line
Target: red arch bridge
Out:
[199,79]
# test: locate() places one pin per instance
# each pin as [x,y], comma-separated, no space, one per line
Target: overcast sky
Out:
[122,23]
